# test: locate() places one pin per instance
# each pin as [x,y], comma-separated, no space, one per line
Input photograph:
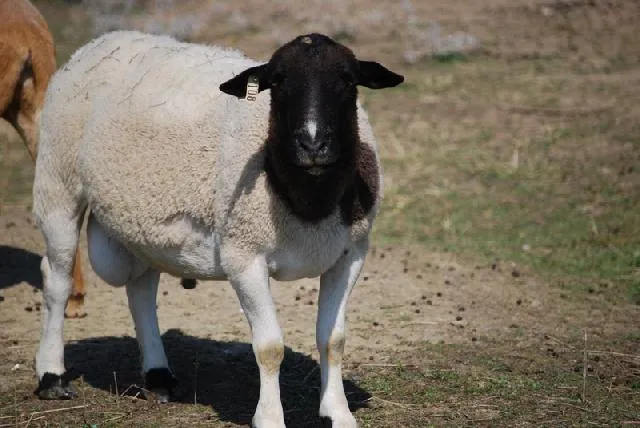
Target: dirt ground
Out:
[406,296]
[434,338]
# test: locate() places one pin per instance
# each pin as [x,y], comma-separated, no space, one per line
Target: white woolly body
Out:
[135,128]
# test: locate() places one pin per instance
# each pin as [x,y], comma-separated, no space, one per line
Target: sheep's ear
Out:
[375,76]
[237,86]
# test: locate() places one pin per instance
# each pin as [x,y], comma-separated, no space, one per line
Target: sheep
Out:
[202,163]
[27,61]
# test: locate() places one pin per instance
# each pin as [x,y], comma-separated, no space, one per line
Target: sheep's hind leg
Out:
[142,292]
[335,288]
[61,235]
[252,288]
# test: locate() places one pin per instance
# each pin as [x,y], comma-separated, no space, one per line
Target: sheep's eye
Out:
[276,80]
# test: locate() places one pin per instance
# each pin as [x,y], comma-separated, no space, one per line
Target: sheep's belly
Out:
[186,250]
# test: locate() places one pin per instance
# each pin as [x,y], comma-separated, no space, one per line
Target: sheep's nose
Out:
[313,146]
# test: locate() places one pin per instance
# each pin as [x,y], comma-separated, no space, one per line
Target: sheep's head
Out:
[313,82]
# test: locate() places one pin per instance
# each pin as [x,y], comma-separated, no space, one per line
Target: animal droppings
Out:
[458,318]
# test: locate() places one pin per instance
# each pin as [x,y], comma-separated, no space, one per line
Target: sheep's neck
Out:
[311,198]
[351,185]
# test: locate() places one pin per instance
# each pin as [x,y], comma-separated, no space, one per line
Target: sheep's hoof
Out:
[158,385]
[188,283]
[75,307]
[54,387]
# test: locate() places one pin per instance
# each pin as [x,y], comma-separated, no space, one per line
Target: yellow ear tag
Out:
[253,86]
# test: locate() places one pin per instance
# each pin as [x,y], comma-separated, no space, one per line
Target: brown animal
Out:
[27,61]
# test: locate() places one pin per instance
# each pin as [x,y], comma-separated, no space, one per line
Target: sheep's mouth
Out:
[317,167]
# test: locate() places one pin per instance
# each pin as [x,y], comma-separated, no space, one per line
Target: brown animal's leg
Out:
[75,306]
[28,128]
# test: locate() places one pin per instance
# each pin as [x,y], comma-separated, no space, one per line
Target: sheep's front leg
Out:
[252,288]
[335,287]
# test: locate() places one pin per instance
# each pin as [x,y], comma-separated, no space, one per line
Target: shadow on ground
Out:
[18,265]
[222,375]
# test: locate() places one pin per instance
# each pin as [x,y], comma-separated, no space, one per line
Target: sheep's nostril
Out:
[310,145]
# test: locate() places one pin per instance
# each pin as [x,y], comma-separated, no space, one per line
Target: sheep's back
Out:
[150,119]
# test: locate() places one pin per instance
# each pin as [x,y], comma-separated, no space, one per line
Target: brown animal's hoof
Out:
[54,387]
[75,307]
[158,385]
[188,283]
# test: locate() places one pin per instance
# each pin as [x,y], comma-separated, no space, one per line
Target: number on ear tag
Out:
[253,87]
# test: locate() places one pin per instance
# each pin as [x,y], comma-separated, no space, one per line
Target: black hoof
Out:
[325,422]
[158,385]
[188,283]
[54,387]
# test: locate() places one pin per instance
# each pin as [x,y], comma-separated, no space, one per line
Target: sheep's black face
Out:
[313,100]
